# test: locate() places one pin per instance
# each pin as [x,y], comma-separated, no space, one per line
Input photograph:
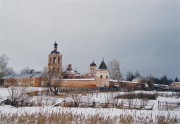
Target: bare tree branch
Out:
[18,96]
[26,70]
[53,80]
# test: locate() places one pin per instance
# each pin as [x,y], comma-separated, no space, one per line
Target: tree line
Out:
[162,80]
[6,70]
[113,68]
[115,73]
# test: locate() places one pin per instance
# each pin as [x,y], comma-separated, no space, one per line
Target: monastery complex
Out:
[97,77]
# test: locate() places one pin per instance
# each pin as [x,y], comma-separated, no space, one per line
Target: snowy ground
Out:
[97,97]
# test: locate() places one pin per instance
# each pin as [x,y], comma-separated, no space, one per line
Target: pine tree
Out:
[176,80]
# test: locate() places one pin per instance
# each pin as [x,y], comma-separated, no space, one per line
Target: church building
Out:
[95,78]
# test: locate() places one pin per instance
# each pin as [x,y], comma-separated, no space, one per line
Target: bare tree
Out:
[4,69]
[76,99]
[26,70]
[9,71]
[114,70]
[3,62]
[53,80]
[137,74]
[129,76]
[18,96]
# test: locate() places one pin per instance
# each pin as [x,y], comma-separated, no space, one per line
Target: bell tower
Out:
[55,60]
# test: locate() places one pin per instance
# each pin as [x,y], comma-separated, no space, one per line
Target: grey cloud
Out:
[143,35]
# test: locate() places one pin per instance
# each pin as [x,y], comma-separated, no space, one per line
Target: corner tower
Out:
[102,75]
[55,60]
[102,71]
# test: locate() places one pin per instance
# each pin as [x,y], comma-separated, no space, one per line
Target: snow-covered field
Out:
[96,97]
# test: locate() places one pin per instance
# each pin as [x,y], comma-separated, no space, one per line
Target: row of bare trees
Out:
[18,96]
[6,70]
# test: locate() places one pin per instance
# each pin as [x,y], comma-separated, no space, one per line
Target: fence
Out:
[122,105]
[168,105]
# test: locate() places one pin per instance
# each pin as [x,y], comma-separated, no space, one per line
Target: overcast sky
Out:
[143,35]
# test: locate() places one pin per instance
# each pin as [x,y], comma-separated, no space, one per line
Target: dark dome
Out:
[55,44]
[93,64]
[55,49]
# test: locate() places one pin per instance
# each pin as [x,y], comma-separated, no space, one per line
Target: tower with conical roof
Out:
[102,71]
[103,65]
[55,60]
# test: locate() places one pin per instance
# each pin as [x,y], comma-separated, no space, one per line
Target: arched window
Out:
[106,77]
[101,76]
[54,60]
[53,68]
[58,60]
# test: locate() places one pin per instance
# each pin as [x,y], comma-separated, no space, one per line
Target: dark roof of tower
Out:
[103,65]
[93,64]
[55,49]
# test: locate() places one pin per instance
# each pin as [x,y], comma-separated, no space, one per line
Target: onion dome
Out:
[93,64]
[55,45]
